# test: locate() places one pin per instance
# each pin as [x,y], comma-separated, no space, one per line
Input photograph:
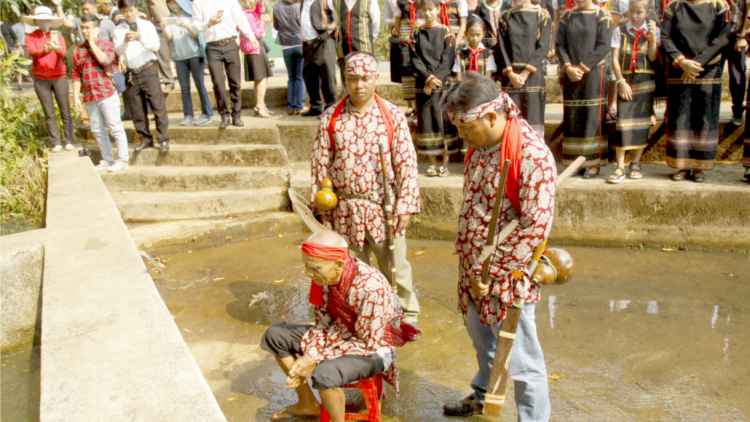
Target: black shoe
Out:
[85,128]
[126,117]
[311,113]
[224,122]
[465,407]
[144,145]
[237,121]
[164,146]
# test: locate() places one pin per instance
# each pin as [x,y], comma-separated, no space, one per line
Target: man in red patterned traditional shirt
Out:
[357,329]
[490,124]
[93,64]
[357,125]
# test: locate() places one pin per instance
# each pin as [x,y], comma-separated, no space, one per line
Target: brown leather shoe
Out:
[466,407]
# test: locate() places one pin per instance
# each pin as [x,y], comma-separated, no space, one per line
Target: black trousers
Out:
[319,71]
[737,77]
[45,91]
[221,58]
[283,340]
[146,86]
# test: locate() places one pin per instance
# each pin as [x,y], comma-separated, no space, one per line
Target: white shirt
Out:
[616,35]
[232,19]
[137,53]
[489,64]
[390,10]
[308,32]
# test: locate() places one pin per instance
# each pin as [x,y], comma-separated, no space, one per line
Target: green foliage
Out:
[23,162]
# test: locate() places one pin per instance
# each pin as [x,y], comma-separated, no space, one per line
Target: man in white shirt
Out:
[319,48]
[137,52]
[219,21]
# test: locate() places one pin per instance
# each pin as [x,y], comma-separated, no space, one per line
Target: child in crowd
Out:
[524,35]
[475,56]
[406,21]
[583,43]
[187,51]
[257,67]
[433,51]
[489,11]
[634,48]
[453,13]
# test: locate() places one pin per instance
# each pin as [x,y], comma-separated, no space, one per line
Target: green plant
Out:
[23,162]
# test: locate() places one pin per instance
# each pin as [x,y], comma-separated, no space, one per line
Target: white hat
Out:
[43,13]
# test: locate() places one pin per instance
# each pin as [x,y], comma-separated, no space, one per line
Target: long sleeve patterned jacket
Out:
[352,163]
[537,200]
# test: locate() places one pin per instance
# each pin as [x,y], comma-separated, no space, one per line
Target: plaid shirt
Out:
[96,83]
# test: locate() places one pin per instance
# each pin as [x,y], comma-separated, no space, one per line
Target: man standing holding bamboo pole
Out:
[346,152]
[490,124]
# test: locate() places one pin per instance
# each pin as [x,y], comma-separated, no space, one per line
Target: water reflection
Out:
[552,303]
[653,307]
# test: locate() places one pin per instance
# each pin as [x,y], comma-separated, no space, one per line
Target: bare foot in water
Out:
[296,410]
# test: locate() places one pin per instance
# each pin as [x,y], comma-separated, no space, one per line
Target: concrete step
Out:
[181,236]
[257,131]
[650,212]
[165,206]
[194,179]
[205,155]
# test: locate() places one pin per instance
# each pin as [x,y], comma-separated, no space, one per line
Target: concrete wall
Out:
[110,348]
[20,285]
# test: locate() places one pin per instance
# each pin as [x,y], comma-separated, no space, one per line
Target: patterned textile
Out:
[583,41]
[409,21]
[634,117]
[537,195]
[94,76]
[362,65]
[377,305]
[356,27]
[479,111]
[352,163]
[695,30]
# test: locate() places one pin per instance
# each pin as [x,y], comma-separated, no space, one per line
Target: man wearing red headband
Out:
[488,121]
[346,151]
[357,329]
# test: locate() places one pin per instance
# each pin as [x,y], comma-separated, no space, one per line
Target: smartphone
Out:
[221,13]
[54,35]
[172,20]
[133,26]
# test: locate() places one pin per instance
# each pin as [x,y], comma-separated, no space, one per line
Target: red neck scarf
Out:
[330,253]
[641,33]
[510,149]
[412,16]
[474,59]
[337,304]
[444,14]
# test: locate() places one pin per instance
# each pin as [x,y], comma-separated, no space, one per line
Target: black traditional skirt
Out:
[531,99]
[693,118]
[431,138]
[257,66]
[634,117]
[584,109]
[746,150]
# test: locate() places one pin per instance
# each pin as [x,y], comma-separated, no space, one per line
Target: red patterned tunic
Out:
[353,165]
[376,304]
[537,198]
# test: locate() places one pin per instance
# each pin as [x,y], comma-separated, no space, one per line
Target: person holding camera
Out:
[136,43]
[47,50]
[93,63]
[219,20]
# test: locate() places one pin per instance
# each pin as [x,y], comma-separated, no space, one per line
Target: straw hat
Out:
[43,13]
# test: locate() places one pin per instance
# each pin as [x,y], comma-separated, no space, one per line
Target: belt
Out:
[142,68]
[225,41]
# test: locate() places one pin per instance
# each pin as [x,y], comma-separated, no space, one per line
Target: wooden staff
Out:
[388,212]
[494,401]
[493,221]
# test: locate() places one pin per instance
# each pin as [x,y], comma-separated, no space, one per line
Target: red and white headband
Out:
[502,101]
[362,65]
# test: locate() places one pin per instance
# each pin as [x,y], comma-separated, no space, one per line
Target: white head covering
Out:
[43,13]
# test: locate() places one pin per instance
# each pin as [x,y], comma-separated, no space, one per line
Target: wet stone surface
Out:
[638,335]
[19,393]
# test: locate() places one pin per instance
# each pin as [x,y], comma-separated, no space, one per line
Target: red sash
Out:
[510,150]
[384,111]
[339,308]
